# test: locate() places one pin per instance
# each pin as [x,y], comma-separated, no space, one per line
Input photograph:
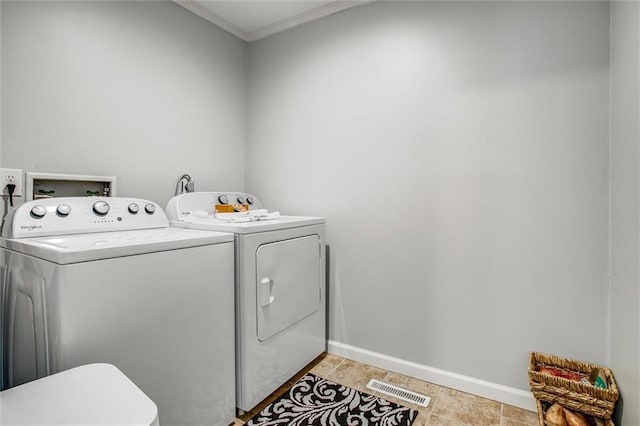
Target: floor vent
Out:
[400,393]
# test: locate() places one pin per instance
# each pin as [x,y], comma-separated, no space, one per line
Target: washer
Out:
[106,280]
[280,289]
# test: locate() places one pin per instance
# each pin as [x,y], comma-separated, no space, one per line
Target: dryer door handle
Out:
[266,287]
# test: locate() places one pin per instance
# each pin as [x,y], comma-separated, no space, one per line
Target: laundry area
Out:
[223,208]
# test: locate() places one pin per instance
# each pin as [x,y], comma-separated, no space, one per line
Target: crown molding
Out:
[274,28]
[308,16]
[203,12]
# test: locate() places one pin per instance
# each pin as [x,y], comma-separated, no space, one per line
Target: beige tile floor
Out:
[447,407]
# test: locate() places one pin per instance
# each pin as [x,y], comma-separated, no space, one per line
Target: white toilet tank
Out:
[93,394]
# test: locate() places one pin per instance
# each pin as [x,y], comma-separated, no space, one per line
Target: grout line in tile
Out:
[336,367]
[501,414]
[330,372]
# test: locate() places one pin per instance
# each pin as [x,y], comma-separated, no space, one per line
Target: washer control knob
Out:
[241,199]
[249,200]
[38,211]
[150,208]
[223,199]
[133,208]
[63,209]
[101,208]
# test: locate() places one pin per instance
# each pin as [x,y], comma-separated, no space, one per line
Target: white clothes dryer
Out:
[93,394]
[106,280]
[280,289]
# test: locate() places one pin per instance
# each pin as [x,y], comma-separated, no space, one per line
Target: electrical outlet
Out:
[13,176]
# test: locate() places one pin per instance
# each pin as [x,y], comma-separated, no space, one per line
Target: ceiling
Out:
[253,20]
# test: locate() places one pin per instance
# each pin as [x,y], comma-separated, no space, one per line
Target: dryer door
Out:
[288,283]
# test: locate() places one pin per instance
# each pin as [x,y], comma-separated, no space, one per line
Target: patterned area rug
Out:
[317,401]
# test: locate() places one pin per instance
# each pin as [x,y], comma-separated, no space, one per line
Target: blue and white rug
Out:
[320,402]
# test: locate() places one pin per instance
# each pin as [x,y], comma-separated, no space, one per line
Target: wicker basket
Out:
[542,409]
[572,394]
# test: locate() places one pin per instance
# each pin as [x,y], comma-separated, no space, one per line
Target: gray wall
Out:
[625,213]
[145,91]
[459,152]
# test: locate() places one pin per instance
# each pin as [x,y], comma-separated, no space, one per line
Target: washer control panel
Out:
[182,205]
[77,215]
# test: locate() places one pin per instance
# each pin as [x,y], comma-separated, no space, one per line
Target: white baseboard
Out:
[494,391]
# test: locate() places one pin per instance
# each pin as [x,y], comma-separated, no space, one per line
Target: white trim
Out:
[203,12]
[273,28]
[302,18]
[504,394]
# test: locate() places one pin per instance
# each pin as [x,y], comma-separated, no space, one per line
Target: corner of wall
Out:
[609,208]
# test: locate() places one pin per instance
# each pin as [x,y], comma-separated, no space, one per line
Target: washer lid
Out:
[283,222]
[65,249]
[94,394]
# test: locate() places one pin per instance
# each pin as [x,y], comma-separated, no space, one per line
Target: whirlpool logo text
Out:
[30,227]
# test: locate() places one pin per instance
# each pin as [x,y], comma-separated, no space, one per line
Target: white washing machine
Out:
[280,289]
[106,280]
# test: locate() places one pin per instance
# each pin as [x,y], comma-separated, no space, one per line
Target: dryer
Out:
[106,280]
[280,289]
